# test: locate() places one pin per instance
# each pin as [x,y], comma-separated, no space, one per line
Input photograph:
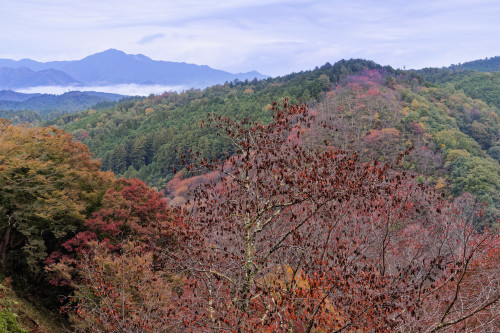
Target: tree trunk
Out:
[3,247]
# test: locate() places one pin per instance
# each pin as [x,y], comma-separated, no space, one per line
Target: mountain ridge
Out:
[117,67]
[12,78]
[491,64]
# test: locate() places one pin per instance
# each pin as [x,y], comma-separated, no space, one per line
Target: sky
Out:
[274,37]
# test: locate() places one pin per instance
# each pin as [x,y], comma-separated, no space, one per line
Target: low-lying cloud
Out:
[122,89]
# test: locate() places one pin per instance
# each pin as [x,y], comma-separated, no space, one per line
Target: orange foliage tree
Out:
[48,185]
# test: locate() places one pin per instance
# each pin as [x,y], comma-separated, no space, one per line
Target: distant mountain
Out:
[117,67]
[109,97]
[12,78]
[45,103]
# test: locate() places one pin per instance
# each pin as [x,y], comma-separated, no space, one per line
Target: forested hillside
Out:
[454,138]
[479,85]
[376,111]
[482,65]
[479,79]
[139,138]
[320,239]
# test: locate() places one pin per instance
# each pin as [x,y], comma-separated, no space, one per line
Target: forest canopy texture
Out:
[371,209]
[289,236]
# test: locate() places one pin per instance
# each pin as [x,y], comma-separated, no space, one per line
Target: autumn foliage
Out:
[301,238]
[113,266]
[49,184]
[285,235]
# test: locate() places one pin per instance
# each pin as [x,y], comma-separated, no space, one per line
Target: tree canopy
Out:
[49,184]
[288,236]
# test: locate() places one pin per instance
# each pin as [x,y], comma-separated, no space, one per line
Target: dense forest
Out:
[352,197]
[482,65]
[157,124]
[377,111]
[478,85]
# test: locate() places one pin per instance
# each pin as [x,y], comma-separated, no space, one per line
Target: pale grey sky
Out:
[274,37]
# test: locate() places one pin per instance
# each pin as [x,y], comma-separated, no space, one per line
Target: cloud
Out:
[122,89]
[274,37]
[149,38]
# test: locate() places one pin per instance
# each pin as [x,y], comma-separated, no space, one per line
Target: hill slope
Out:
[158,124]
[382,112]
[480,85]
[139,139]
[482,65]
[19,316]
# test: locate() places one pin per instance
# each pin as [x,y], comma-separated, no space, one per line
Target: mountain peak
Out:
[111,52]
[116,56]
[114,66]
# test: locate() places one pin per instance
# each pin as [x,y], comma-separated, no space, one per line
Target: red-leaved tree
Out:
[308,239]
[113,266]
